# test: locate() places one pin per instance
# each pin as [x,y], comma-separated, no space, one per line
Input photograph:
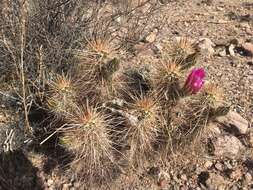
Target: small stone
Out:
[152,36]
[248,177]
[2,118]
[222,53]
[50,182]
[208,164]
[244,25]
[234,123]
[249,31]
[184,177]
[66,186]
[219,166]
[231,50]
[235,175]
[216,181]
[236,41]
[206,46]
[228,165]
[248,49]
[143,49]
[214,130]
[234,62]
[227,146]
[162,183]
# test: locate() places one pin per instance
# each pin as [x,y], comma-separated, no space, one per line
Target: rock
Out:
[3,118]
[249,31]
[248,49]
[206,46]
[236,175]
[216,181]
[66,186]
[184,177]
[228,165]
[219,166]
[162,183]
[244,25]
[208,164]
[231,50]
[222,53]
[234,123]
[152,36]
[214,130]
[236,41]
[227,146]
[143,49]
[163,179]
[50,182]
[234,62]
[248,177]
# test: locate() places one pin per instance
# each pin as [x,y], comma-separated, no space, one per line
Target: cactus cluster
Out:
[104,101]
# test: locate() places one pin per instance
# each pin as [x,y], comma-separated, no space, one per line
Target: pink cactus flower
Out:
[195,80]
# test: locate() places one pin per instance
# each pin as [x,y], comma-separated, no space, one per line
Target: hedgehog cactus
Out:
[143,130]
[216,100]
[87,135]
[62,95]
[166,81]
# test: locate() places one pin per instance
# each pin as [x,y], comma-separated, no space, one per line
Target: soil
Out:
[223,22]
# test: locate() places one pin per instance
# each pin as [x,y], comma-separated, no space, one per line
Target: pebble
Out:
[248,177]
[152,36]
[244,25]
[228,146]
[231,50]
[235,123]
[208,164]
[184,177]
[162,183]
[248,48]
[50,182]
[215,181]
[222,53]
[66,186]
[237,174]
[219,166]
[206,46]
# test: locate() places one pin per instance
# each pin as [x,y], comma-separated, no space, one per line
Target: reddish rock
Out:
[235,123]
[248,48]
[227,146]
